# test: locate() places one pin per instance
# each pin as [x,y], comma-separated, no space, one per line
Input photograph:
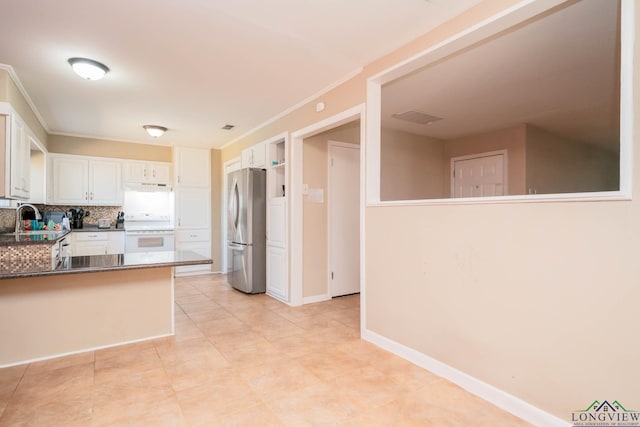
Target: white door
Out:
[478,176]
[192,207]
[70,180]
[135,172]
[105,178]
[344,219]
[192,167]
[160,173]
[277,273]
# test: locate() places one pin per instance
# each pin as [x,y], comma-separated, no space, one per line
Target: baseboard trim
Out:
[315,298]
[84,350]
[501,399]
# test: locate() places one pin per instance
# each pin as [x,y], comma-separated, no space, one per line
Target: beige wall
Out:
[536,299]
[315,215]
[105,148]
[411,166]
[511,139]
[555,165]
[216,210]
[10,93]
[74,312]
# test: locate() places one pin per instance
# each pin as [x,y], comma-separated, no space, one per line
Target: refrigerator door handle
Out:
[238,246]
[234,206]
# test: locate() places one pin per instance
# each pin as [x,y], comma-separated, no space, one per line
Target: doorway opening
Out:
[310,198]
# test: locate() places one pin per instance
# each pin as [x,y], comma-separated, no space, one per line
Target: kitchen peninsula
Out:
[74,304]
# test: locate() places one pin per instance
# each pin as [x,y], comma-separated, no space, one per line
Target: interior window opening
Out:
[532,110]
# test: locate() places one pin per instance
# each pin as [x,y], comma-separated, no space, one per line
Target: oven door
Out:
[146,241]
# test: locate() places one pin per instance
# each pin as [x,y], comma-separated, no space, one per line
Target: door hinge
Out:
[454,173]
[332,162]
[332,275]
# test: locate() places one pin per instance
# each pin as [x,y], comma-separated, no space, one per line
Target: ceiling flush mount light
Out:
[88,68]
[155,131]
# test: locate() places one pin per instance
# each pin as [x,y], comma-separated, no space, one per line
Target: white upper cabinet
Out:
[192,167]
[20,163]
[15,163]
[105,182]
[152,173]
[255,157]
[85,180]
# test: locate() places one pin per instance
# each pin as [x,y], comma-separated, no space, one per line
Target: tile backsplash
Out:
[8,216]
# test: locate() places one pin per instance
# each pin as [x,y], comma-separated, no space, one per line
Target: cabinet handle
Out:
[91,195]
[86,195]
[154,173]
[144,172]
[178,179]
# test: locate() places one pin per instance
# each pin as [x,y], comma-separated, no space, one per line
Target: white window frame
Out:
[512,16]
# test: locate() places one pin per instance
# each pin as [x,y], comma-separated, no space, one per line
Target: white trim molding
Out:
[296,196]
[316,298]
[500,398]
[513,16]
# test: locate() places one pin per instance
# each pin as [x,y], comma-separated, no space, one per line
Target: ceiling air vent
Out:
[416,117]
[228,127]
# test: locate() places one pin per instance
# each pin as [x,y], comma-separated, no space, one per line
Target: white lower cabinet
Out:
[277,273]
[198,241]
[85,243]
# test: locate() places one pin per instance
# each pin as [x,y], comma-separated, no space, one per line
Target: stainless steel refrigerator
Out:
[246,231]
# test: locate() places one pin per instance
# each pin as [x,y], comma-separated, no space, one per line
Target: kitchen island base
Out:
[50,316]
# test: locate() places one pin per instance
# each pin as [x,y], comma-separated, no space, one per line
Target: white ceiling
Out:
[196,65]
[559,73]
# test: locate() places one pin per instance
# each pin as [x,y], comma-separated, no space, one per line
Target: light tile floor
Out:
[241,360]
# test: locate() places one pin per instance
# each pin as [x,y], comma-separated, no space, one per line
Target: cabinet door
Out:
[277,273]
[135,172]
[69,180]
[192,207]
[255,156]
[246,159]
[20,163]
[116,242]
[276,222]
[192,167]
[160,173]
[105,183]
[259,156]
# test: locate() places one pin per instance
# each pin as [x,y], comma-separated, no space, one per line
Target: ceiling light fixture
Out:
[155,131]
[88,68]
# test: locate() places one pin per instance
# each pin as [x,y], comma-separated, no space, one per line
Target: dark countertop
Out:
[32,239]
[94,228]
[101,263]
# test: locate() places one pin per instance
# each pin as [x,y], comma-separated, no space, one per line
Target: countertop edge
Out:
[102,269]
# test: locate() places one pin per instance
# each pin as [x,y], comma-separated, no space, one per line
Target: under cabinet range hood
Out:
[147,186]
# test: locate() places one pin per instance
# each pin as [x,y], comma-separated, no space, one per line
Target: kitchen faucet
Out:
[19,209]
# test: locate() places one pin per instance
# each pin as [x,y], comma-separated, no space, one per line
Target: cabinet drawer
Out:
[193,235]
[90,237]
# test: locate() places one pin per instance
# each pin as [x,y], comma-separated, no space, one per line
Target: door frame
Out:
[228,166]
[505,169]
[330,144]
[296,215]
